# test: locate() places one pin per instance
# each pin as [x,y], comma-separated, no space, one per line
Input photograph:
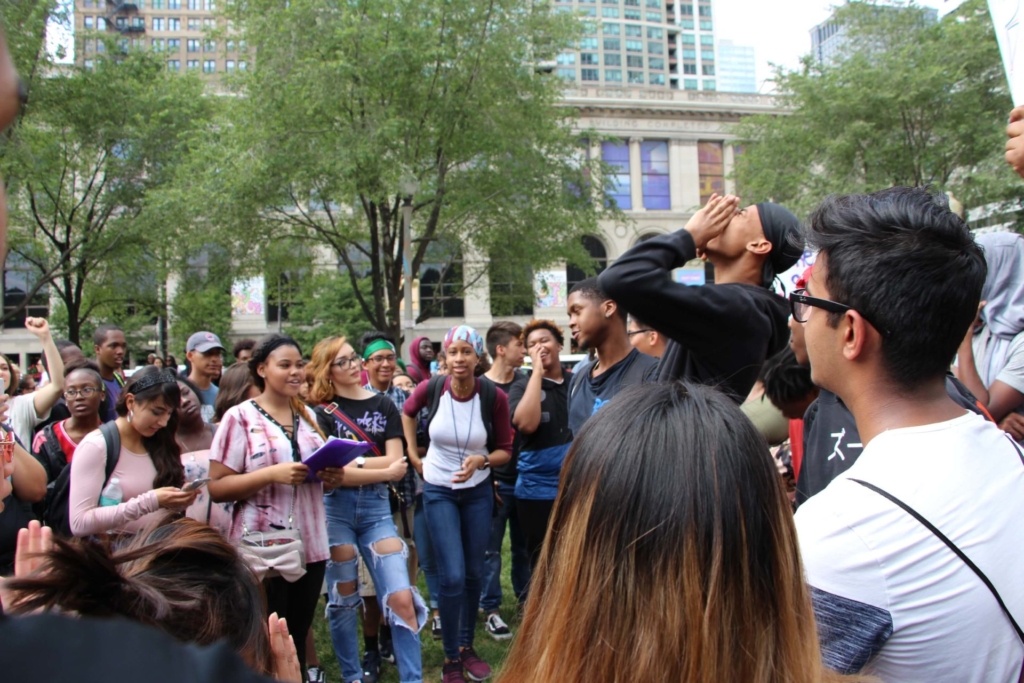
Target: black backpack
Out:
[57,515]
[488,395]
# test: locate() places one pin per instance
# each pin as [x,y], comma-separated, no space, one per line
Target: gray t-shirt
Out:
[999,359]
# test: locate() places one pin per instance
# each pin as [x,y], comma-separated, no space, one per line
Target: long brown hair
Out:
[674,543]
[235,385]
[181,576]
[163,446]
[319,368]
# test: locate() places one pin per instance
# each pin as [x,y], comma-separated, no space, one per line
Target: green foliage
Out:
[908,104]
[80,166]
[200,303]
[325,306]
[348,99]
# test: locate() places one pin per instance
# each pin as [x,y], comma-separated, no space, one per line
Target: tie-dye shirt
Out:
[247,441]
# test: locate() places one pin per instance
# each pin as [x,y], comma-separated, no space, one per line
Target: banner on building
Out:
[1006,20]
[551,289]
[248,297]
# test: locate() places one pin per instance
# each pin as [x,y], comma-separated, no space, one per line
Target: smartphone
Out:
[197,484]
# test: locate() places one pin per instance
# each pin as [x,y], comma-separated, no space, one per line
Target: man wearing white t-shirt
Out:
[895,287]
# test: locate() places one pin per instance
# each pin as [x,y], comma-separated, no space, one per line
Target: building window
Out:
[686,10]
[613,75]
[707,55]
[654,16]
[704,10]
[689,54]
[707,40]
[173,24]
[636,77]
[711,168]
[193,5]
[173,44]
[613,60]
[690,84]
[230,46]
[689,39]
[441,289]
[209,66]
[633,14]
[157,4]
[89,23]
[229,65]
[634,30]
[612,29]
[634,46]
[210,46]
[87,4]
[709,84]
[657,79]
[612,44]
[192,65]
[174,65]
[632,3]
[243,65]
[208,24]
[635,62]
[708,69]
[655,63]
[89,46]
[158,45]
[567,58]
[589,75]
[101,24]
[588,44]
[194,24]
[653,3]
[210,5]
[656,48]
[690,69]
[706,26]
[192,45]
[655,33]
[101,46]
[616,155]
[654,169]
[568,74]
[588,11]
[282,293]
[511,286]
[599,261]
[589,58]
[610,12]
[88,67]
[173,4]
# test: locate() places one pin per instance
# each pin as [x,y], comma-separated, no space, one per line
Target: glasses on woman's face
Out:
[85,392]
[378,360]
[345,362]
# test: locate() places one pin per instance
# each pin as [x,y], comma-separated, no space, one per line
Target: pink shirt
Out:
[88,477]
[217,515]
[245,442]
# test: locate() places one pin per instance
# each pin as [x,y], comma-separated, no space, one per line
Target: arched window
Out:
[599,256]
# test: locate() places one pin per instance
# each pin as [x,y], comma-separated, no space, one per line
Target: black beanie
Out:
[782,229]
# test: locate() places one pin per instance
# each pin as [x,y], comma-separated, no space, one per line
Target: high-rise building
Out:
[829,39]
[737,67]
[175,28]
[666,43]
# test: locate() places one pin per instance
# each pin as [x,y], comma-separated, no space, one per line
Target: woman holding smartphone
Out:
[359,512]
[256,462]
[148,468]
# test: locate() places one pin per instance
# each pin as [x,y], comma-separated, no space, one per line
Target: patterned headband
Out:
[162,377]
[467,334]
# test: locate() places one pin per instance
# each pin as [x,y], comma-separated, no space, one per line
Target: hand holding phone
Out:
[197,484]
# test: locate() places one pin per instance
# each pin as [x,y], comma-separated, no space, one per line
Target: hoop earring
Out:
[131,413]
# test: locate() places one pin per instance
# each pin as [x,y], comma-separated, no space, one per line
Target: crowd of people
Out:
[648,493]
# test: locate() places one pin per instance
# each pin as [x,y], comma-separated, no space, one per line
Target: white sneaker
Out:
[496,628]
[315,674]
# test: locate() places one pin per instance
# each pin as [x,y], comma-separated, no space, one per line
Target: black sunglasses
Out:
[800,305]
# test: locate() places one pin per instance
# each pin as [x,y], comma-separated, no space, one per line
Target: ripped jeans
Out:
[361,517]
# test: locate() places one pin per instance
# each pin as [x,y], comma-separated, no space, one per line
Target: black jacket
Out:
[719,335]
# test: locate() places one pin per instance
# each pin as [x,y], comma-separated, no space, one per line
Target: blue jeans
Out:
[460,526]
[425,552]
[361,517]
[490,600]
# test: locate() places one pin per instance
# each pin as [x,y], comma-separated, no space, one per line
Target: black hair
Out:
[84,364]
[910,266]
[261,352]
[62,344]
[591,289]
[639,323]
[163,446]
[101,333]
[373,335]
[500,334]
[548,325]
[242,345]
[190,384]
[785,380]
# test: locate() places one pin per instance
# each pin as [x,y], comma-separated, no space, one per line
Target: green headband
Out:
[378,345]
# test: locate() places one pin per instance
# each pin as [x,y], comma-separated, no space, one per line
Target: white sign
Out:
[1006,19]
[790,277]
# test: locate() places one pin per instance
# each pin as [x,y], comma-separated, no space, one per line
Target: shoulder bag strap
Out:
[339,415]
[952,546]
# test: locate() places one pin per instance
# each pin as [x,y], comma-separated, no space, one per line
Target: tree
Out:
[909,103]
[91,146]
[347,100]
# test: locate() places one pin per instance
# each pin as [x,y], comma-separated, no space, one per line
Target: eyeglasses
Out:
[377,360]
[85,392]
[345,362]
[630,334]
[800,305]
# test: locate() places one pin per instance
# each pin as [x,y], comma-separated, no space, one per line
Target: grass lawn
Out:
[492,651]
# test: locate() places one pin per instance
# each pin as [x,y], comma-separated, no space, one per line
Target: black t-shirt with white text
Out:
[377,416]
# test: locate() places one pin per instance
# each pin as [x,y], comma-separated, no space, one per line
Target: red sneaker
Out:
[476,668]
[451,672]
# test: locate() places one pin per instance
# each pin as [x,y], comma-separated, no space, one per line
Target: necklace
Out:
[461,448]
[460,390]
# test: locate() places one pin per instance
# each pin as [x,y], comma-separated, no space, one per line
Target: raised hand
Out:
[712,220]
[38,326]
[286,659]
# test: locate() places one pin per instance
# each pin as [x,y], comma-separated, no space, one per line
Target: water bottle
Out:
[111,493]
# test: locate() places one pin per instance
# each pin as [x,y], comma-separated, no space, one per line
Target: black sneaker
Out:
[386,645]
[371,667]
[435,627]
[496,628]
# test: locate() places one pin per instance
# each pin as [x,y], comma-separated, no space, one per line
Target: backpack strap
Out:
[435,387]
[578,377]
[112,437]
[488,395]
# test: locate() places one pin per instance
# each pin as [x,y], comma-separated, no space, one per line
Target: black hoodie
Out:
[719,335]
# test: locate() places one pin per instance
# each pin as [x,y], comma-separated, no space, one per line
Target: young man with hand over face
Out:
[895,286]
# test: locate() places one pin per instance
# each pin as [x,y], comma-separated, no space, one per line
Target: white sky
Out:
[778,31]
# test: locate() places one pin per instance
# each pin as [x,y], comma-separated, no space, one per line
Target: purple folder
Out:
[335,453]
